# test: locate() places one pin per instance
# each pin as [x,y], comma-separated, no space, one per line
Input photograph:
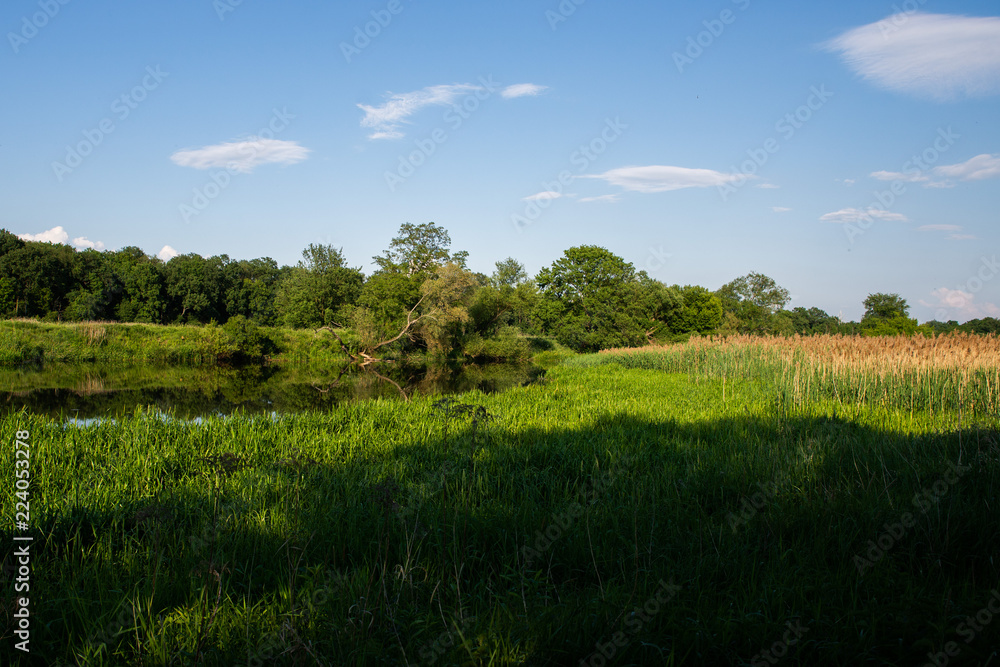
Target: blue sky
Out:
[699,142]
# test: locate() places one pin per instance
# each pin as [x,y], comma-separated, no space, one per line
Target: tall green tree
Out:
[143,294]
[319,290]
[417,251]
[588,300]
[753,300]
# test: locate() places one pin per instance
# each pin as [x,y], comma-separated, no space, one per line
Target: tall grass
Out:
[946,375]
[525,527]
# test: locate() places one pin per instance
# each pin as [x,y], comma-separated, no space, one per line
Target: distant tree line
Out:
[422,295]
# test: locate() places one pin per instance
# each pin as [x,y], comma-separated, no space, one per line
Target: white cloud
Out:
[546,195]
[82,242]
[768,186]
[940,56]
[521,90]
[780,209]
[657,178]
[167,253]
[54,235]
[847,215]
[386,120]
[914,177]
[242,156]
[962,237]
[939,228]
[607,199]
[961,304]
[59,235]
[978,168]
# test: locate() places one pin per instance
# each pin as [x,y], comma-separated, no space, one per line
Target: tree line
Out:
[421,294]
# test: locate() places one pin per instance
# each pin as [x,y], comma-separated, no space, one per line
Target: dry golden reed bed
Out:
[952,371]
[882,355]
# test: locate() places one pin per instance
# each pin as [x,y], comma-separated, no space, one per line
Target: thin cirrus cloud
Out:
[547,195]
[242,156]
[59,235]
[978,168]
[522,90]
[780,209]
[955,230]
[852,215]
[659,178]
[939,228]
[604,199]
[937,56]
[387,120]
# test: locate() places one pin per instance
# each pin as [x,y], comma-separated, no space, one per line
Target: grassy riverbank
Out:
[689,521]
[26,341]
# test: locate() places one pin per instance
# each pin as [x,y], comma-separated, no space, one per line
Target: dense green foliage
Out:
[588,299]
[527,527]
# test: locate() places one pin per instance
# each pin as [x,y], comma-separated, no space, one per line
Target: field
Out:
[823,501]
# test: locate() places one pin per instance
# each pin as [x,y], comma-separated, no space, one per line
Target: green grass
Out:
[27,341]
[388,533]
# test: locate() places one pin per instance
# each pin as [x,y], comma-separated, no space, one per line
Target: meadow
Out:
[821,501]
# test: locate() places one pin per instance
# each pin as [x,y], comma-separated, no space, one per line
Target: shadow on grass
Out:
[541,547]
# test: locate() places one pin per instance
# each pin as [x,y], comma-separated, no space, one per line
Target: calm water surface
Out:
[87,391]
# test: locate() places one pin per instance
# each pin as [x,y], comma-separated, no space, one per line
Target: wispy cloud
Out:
[607,199]
[913,177]
[768,186]
[387,119]
[938,56]
[522,90]
[961,304]
[658,178]
[939,228]
[962,237]
[167,253]
[547,195]
[978,168]
[851,215]
[59,235]
[780,209]
[242,156]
